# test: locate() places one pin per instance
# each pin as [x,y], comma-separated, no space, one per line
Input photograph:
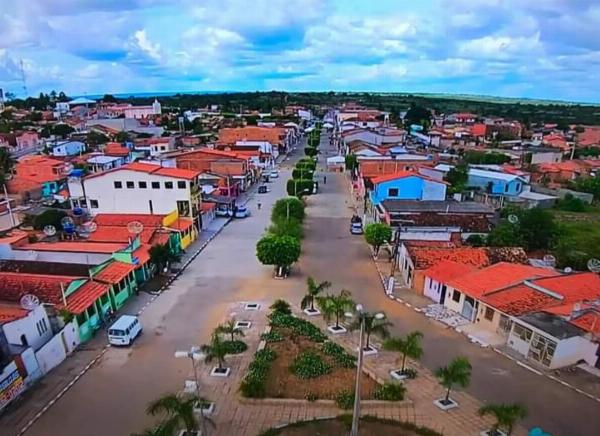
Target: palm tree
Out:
[314,290]
[229,328]
[335,306]
[177,411]
[409,346]
[506,416]
[456,372]
[379,327]
[216,349]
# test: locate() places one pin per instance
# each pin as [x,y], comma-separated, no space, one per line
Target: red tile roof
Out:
[518,300]
[116,149]
[182,224]
[176,173]
[446,270]
[588,321]
[403,175]
[143,253]
[478,129]
[11,312]
[72,246]
[122,219]
[114,272]
[85,296]
[426,257]
[160,238]
[119,234]
[574,287]
[497,276]
[46,288]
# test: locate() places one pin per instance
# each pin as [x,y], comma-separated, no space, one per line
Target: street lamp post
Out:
[194,355]
[362,316]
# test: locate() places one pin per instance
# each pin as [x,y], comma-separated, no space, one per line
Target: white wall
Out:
[60,256]
[450,303]
[433,190]
[570,351]
[432,289]
[35,326]
[136,200]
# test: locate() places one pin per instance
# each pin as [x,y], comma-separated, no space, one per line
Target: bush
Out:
[307,164]
[571,204]
[284,227]
[281,306]
[298,326]
[235,347]
[345,399]
[376,234]
[50,217]
[272,336]
[390,392]
[253,385]
[310,151]
[339,355]
[299,187]
[476,241]
[293,205]
[309,365]
[280,251]
[302,173]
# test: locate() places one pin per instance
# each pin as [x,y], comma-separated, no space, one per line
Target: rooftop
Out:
[518,300]
[46,287]
[403,175]
[122,219]
[158,170]
[11,312]
[446,270]
[48,268]
[456,207]
[554,325]
[85,295]
[73,246]
[114,272]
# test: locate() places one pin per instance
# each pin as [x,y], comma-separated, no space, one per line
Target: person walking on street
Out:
[324,180]
[259,204]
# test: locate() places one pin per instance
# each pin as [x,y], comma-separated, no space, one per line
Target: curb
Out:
[155,295]
[483,345]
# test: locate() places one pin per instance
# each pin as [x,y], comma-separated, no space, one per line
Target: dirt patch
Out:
[334,427]
[283,384]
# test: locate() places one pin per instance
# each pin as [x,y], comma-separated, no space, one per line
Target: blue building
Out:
[68,148]
[406,185]
[495,182]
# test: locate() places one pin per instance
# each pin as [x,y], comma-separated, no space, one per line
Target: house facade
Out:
[406,185]
[67,148]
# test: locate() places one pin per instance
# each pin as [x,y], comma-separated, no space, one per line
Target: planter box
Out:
[371,351]
[487,433]
[336,330]
[206,409]
[223,372]
[398,375]
[190,387]
[313,312]
[243,324]
[445,406]
[252,306]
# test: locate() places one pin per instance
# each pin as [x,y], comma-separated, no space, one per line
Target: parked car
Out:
[223,211]
[356,228]
[242,212]
[263,189]
[274,174]
[124,330]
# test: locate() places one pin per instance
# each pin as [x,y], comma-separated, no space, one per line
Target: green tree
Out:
[6,161]
[176,411]
[408,346]
[215,350]
[280,251]
[50,217]
[373,326]
[95,138]
[302,173]
[457,372]
[376,234]
[281,306]
[109,98]
[590,185]
[506,416]
[335,306]
[299,188]
[62,130]
[351,162]
[290,207]
[122,137]
[230,329]
[35,116]
[418,115]
[282,226]
[162,256]
[505,235]
[310,151]
[313,290]
[457,177]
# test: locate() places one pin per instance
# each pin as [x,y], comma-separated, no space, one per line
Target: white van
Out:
[124,330]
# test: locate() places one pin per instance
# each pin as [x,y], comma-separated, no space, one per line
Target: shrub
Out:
[302,173]
[390,392]
[280,251]
[571,204]
[339,355]
[376,234]
[300,187]
[476,240]
[307,164]
[298,326]
[309,365]
[311,151]
[272,336]
[235,347]
[291,205]
[345,399]
[281,306]
[286,227]
[253,385]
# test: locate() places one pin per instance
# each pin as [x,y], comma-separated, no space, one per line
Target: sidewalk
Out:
[43,393]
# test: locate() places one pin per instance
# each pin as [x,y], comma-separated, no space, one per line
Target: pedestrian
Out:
[259,204]
[324,180]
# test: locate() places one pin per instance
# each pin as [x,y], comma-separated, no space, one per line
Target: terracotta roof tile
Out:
[114,272]
[424,258]
[446,270]
[176,173]
[11,312]
[588,321]
[574,287]
[403,175]
[46,288]
[518,300]
[85,295]
[143,254]
[72,246]
[122,219]
[119,234]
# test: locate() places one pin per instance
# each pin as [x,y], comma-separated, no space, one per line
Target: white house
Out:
[142,188]
[138,112]
[24,328]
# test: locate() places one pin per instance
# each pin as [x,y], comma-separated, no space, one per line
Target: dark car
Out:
[263,189]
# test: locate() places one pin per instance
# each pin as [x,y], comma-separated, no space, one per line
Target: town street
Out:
[110,399]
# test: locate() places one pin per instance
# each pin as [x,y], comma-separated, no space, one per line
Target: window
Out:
[118,185]
[506,188]
[456,296]
[183,208]
[522,332]
[155,185]
[42,327]
[142,185]
[393,192]
[518,186]
[168,185]
[83,202]
[489,313]
[75,203]
[130,184]
[94,204]
[181,184]
[163,148]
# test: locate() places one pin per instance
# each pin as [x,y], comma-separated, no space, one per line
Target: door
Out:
[443,294]
[468,308]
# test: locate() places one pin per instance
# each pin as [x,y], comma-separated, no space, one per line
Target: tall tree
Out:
[377,234]
[457,372]
[176,411]
[280,251]
[230,329]
[162,256]
[215,350]
[409,346]
[373,326]
[335,306]
[313,289]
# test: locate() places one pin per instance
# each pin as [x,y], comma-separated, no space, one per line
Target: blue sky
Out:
[513,48]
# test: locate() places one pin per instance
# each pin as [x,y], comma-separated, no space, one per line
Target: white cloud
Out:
[151,49]
[500,47]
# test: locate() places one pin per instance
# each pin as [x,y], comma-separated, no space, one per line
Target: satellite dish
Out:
[49,230]
[549,260]
[89,227]
[135,227]
[594,265]
[513,219]
[29,301]
[568,270]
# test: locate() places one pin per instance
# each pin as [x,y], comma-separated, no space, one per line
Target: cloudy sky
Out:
[519,48]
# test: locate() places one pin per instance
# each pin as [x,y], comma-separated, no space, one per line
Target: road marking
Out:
[535,371]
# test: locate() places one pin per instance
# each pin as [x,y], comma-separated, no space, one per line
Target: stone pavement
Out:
[247,417]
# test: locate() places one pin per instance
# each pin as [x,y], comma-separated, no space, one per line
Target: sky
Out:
[544,49]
